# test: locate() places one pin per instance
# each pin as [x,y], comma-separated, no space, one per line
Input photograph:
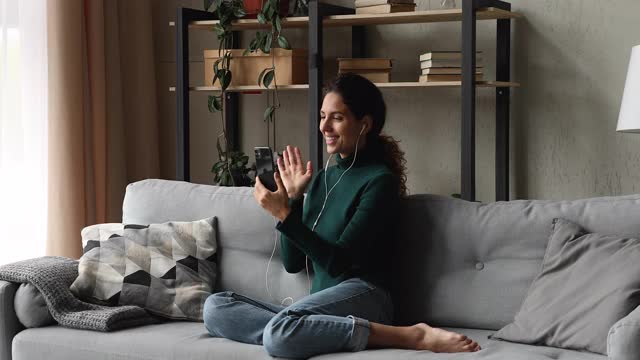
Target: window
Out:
[23,129]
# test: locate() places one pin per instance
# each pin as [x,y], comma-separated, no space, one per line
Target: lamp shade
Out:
[629,118]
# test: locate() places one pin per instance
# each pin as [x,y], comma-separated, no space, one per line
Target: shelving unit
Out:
[414,17]
[322,15]
[253,88]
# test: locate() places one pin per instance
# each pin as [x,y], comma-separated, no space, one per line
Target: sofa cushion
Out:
[174,340]
[168,269]
[185,340]
[491,350]
[467,264]
[622,340]
[587,283]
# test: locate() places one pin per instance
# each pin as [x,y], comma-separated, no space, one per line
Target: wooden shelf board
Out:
[490,84]
[245,88]
[446,84]
[412,17]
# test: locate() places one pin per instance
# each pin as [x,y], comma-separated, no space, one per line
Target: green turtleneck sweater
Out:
[353,235]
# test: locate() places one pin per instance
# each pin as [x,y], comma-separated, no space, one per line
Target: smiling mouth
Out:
[330,140]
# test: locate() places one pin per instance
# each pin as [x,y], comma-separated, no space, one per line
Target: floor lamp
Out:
[629,118]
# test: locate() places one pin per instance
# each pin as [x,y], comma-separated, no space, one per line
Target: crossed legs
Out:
[331,320]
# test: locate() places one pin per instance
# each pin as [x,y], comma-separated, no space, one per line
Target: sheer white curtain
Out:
[23,129]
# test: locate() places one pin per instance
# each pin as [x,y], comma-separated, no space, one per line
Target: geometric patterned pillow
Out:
[100,232]
[168,269]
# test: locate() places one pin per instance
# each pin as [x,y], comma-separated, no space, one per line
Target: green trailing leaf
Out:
[268,113]
[216,71]
[261,75]
[267,43]
[210,103]
[278,24]
[227,80]
[261,18]
[246,51]
[207,4]
[239,12]
[268,78]
[227,59]
[218,29]
[265,7]
[223,73]
[225,19]
[218,76]
[219,148]
[217,167]
[282,41]
[262,38]
[252,45]
[217,105]
[224,181]
[272,12]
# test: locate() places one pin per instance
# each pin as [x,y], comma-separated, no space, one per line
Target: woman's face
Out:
[339,127]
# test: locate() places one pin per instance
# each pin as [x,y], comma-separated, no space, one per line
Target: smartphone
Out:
[265,167]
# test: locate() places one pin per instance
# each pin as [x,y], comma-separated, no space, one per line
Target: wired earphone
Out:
[326,197]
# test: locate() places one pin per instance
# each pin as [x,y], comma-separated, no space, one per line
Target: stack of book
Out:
[375,69]
[445,66]
[384,6]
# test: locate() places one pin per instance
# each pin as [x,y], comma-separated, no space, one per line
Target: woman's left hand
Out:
[277,202]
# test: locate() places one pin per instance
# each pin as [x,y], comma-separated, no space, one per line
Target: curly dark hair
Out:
[362,97]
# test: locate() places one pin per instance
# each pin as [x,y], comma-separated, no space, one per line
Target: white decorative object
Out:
[629,118]
[448,4]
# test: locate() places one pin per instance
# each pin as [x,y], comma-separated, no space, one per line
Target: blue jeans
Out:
[332,320]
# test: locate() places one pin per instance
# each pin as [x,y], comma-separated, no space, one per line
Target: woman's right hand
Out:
[293,173]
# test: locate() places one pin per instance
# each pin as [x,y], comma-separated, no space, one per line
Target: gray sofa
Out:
[460,265]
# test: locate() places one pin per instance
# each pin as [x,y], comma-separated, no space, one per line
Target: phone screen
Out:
[265,167]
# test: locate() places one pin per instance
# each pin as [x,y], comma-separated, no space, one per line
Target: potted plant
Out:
[231,168]
[253,7]
[264,41]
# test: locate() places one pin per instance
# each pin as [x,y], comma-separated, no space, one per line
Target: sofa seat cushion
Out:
[174,340]
[491,350]
[188,340]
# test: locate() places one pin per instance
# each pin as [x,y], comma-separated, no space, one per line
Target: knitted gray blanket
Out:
[52,276]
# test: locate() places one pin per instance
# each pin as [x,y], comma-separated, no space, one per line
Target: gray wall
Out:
[570,57]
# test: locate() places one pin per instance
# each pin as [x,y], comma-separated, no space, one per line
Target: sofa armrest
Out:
[9,324]
[623,340]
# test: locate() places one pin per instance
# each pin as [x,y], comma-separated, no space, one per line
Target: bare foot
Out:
[439,340]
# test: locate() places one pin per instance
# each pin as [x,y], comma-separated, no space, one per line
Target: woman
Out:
[343,227]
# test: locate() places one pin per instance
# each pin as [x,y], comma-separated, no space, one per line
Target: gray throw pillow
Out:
[31,309]
[168,269]
[587,283]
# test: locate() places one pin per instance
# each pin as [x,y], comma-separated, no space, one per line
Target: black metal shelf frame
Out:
[316,12]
